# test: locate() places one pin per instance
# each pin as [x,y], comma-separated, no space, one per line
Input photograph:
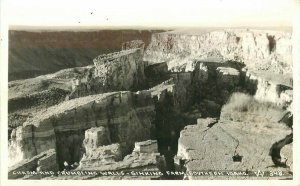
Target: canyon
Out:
[181,101]
[75,48]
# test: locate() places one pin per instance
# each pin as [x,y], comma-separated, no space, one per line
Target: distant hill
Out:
[35,52]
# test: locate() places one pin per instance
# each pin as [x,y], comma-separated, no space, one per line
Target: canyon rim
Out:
[176,104]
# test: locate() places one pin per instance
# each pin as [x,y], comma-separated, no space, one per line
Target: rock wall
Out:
[101,155]
[126,72]
[145,156]
[210,84]
[156,74]
[96,136]
[149,146]
[271,89]
[195,79]
[122,70]
[117,71]
[258,49]
[133,44]
[127,116]
[136,163]
[177,89]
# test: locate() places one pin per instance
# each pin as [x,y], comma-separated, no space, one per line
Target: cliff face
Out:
[126,116]
[211,83]
[257,49]
[121,70]
[274,89]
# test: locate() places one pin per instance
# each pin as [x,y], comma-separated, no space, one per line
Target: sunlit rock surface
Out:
[241,140]
[258,49]
[127,116]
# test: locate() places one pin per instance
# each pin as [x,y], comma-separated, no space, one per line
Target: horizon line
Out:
[130,27]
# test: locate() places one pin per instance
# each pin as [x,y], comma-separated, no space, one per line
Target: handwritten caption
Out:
[226,173]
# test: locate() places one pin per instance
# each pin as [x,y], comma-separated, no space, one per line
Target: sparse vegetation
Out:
[243,107]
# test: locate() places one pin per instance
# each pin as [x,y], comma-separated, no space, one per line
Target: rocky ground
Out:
[186,102]
[240,140]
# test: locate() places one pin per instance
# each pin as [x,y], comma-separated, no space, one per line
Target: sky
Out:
[151,13]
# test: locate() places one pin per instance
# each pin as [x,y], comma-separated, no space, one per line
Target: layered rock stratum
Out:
[258,49]
[126,116]
[137,109]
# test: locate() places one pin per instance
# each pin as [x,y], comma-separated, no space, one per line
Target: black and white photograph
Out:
[149,90]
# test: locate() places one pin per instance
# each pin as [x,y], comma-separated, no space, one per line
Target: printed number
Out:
[276,173]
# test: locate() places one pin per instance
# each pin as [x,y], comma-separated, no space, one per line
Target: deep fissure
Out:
[206,100]
[169,123]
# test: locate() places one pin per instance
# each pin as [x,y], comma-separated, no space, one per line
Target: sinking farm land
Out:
[187,105]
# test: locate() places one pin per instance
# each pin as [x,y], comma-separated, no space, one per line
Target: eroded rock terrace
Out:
[136,109]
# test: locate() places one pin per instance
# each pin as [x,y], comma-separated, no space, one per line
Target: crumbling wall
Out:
[99,155]
[144,156]
[127,116]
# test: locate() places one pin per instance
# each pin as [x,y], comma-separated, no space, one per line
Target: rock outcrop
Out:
[96,136]
[269,88]
[122,70]
[207,71]
[228,77]
[258,49]
[133,44]
[236,142]
[127,116]
[109,157]
[100,156]
[38,165]
[149,146]
[144,157]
